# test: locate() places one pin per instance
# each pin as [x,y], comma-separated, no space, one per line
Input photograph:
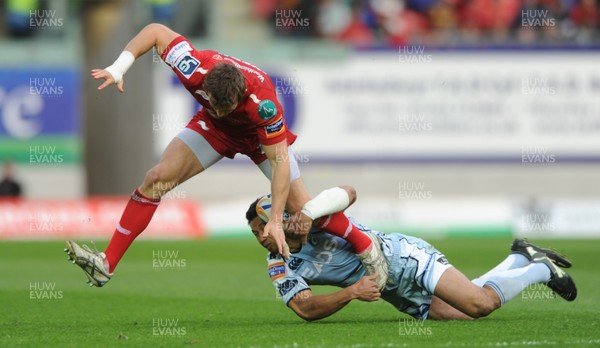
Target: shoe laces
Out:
[94,251]
[88,249]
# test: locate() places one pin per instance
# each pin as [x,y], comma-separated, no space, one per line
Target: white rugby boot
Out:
[90,261]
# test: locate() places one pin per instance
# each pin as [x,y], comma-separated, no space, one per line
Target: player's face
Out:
[258,226]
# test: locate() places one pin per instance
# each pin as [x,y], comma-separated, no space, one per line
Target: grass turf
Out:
[215,293]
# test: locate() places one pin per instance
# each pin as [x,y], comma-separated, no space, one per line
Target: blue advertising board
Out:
[40,112]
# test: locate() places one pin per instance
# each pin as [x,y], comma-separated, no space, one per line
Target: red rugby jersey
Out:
[245,122]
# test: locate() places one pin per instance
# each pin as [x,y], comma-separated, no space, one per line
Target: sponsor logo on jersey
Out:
[249,68]
[442,260]
[277,270]
[187,65]
[295,263]
[217,57]
[176,52]
[274,129]
[287,286]
[267,109]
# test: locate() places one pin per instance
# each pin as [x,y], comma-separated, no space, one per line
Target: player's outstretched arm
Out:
[280,188]
[314,307]
[153,35]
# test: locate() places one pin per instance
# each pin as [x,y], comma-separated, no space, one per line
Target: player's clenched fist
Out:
[366,289]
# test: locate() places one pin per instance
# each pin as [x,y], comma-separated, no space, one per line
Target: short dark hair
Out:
[251,214]
[226,85]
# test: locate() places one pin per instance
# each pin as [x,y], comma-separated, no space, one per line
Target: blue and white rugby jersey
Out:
[415,267]
[324,260]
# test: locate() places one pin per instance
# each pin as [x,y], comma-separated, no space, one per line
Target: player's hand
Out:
[275,230]
[299,226]
[366,289]
[101,74]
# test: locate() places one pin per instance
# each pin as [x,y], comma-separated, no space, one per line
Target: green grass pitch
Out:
[216,293]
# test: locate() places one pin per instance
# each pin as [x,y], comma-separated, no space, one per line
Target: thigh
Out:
[297,197]
[456,289]
[177,163]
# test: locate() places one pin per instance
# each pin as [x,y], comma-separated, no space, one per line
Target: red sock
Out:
[339,225]
[135,219]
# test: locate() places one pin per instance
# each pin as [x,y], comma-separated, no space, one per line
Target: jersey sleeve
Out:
[186,62]
[286,282]
[266,108]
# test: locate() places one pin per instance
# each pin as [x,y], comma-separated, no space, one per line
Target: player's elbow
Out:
[155,28]
[306,315]
[305,311]
[160,34]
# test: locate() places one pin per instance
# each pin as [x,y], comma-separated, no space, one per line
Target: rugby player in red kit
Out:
[240,114]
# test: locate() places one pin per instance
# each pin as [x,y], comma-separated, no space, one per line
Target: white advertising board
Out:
[525,106]
[463,105]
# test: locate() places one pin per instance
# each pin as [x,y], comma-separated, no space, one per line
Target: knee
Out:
[158,181]
[351,191]
[153,176]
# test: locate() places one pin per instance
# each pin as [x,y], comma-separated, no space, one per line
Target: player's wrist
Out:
[121,65]
[277,219]
[277,213]
[352,292]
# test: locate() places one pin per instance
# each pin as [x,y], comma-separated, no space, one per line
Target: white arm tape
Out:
[121,65]
[327,202]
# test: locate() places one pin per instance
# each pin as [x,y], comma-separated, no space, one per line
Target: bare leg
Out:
[297,197]
[440,310]
[177,164]
[457,291]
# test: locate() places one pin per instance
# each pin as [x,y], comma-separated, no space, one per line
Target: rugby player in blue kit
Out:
[421,282]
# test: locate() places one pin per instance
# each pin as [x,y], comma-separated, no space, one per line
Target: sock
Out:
[339,225]
[135,219]
[511,262]
[509,284]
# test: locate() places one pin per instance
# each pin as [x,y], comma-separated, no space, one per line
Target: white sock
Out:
[511,262]
[509,284]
